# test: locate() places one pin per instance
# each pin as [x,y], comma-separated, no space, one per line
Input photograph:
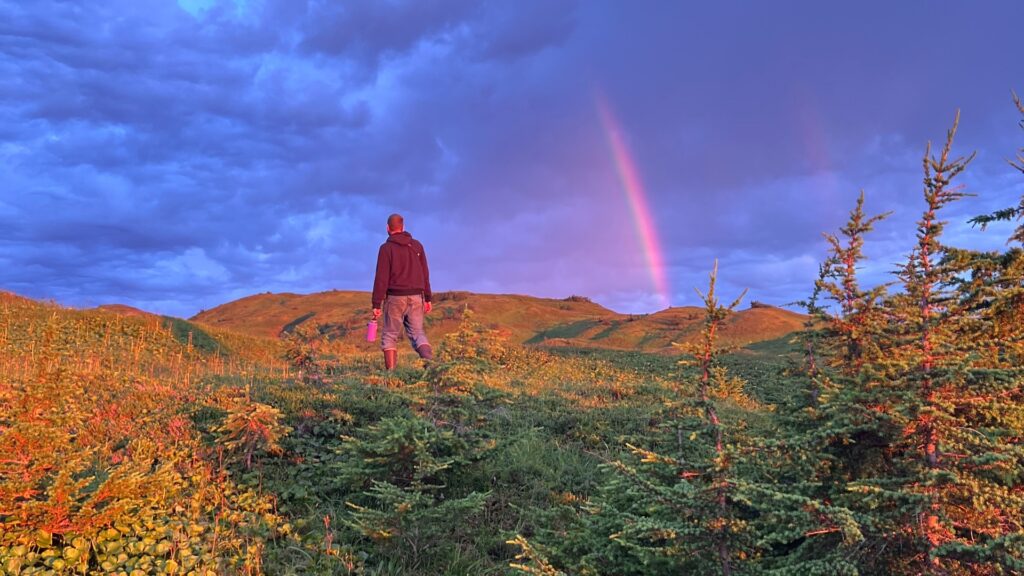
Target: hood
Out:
[403,238]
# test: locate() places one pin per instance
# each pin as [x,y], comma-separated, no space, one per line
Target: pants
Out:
[399,312]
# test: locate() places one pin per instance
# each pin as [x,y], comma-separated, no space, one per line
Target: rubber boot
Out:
[426,352]
[390,359]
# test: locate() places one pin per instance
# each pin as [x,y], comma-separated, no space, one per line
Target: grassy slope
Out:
[535,426]
[520,318]
[100,455]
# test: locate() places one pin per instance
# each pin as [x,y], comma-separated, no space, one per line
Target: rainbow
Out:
[814,136]
[634,189]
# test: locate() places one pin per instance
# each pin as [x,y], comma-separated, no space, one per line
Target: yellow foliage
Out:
[100,464]
[530,561]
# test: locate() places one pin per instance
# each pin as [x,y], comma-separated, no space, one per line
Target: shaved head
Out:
[396,223]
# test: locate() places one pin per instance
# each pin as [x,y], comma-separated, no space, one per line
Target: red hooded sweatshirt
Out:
[401,269]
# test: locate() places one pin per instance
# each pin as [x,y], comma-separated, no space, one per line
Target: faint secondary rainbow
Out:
[635,195]
[814,136]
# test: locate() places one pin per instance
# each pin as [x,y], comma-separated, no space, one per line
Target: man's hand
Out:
[427,307]
[376,313]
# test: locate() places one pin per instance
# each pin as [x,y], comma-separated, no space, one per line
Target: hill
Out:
[571,322]
[123,309]
[146,444]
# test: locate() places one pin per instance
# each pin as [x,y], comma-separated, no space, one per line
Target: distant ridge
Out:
[226,344]
[11,297]
[124,309]
[573,321]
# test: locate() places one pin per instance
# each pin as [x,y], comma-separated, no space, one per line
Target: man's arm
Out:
[380,279]
[427,295]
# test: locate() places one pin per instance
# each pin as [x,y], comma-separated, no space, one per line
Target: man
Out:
[401,288]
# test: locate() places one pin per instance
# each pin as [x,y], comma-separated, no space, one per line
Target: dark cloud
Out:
[175,156]
[368,30]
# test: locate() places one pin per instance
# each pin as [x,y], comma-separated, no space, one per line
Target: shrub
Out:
[251,429]
[303,352]
[575,298]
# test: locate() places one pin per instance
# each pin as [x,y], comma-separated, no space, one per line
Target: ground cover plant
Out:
[102,469]
[882,438]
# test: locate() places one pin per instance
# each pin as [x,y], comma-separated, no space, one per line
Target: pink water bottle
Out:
[371,331]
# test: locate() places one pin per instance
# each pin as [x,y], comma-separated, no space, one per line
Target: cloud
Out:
[177,155]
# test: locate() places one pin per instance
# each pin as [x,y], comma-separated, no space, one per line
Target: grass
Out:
[287,329]
[189,334]
[414,472]
[571,330]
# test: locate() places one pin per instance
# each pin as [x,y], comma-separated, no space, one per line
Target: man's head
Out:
[396,224]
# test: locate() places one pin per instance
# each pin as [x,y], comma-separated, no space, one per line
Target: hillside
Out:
[143,444]
[574,322]
[123,309]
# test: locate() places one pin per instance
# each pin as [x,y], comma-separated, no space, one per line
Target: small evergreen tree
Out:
[811,339]
[718,507]
[832,434]
[1013,212]
[846,334]
[401,472]
[855,325]
[998,279]
[938,484]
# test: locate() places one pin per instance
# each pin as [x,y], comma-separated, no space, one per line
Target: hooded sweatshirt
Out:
[401,269]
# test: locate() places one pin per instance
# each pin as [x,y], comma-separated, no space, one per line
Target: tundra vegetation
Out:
[884,438]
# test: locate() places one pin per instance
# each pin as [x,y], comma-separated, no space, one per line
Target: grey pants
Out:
[399,312]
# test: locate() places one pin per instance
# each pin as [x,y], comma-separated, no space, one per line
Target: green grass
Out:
[186,332]
[571,330]
[295,323]
[611,329]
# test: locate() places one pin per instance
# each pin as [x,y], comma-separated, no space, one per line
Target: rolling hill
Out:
[574,321]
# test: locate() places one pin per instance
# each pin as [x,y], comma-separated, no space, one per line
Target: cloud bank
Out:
[174,156]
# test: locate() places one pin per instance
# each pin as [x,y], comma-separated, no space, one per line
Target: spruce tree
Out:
[831,433]
[842,430]
[839,431]
[856,320]
[1013,212]
[999,278]
[941,492]
[689,511]
[811,337]
[718,506]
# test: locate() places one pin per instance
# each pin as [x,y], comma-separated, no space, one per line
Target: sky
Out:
[179,155]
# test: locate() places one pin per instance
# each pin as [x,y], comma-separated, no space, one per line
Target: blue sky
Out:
[178,155]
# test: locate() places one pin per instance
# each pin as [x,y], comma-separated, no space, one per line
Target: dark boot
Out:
[390,359]
[425,352]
